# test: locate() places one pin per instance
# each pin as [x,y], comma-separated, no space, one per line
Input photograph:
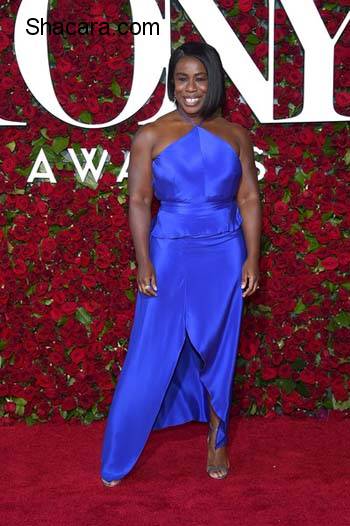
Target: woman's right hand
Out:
[145,277]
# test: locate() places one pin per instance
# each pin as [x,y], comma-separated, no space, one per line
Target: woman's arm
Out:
[248,200]
[140,198]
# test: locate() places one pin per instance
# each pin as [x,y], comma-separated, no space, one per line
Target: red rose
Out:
[9,407]
[285,370]
[68,404]
[269,373]
[330,263]
[4,41]
[307,376]
[227,4]
[77,355]
[245,5]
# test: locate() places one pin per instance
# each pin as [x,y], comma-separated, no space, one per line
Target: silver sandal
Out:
[111,484]
[210,467]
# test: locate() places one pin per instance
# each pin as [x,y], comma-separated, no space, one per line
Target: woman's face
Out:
[191,84]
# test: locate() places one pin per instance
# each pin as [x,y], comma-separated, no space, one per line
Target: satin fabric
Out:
[196,179]
[183,342]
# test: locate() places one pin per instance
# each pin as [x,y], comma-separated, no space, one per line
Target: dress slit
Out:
[221,433]
[199,411]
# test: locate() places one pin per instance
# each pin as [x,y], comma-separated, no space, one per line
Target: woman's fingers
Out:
[153,282]
[245,278]
[146,286]
[252,286]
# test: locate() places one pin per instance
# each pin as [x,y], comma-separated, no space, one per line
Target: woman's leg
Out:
[216,457]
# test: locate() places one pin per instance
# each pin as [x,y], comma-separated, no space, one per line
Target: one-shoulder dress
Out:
[183,342]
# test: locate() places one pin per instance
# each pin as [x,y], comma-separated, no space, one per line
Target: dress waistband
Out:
[193,208]
[181,218]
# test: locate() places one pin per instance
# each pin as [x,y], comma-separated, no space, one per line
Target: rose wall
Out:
[68,270]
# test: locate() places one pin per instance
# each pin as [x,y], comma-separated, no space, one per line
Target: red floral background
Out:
[68,272]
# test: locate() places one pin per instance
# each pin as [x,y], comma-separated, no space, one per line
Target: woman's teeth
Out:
[191,101]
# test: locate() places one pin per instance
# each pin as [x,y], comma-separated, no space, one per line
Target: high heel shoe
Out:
[211,468]
[111,484]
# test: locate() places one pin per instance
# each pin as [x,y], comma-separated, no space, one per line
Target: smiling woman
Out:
[197,259]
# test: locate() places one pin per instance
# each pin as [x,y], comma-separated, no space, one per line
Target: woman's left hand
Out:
[250,276]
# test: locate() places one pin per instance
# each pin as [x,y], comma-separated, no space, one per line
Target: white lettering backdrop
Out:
[152,54]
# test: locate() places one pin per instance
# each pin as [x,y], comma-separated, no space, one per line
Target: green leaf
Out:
[86,117]
[39,142]
[313,243]
[83,316]
[332,287]
[302,389]
[60,143]
[31,419]
[234,11]
[31,290]
[121,199]
[286,195]
[301,177]
[115,88]
[20,405]
[49,153]
[329,6]
[345,404]
[52,60]
[130,295]
[11,146]
[264,308]
[342,319]
[43,132]
[292,39]
[253,39]
[308,213]
[300,307]
[287,384]
[252,409]
[298,364]
[328,404]
[273,148]
[328,148]
[347,157]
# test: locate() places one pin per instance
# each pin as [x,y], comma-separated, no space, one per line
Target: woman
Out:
[194,258]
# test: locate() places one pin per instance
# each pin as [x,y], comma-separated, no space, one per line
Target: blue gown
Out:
[183,342]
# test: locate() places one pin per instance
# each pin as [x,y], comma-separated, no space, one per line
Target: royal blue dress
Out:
[183,342]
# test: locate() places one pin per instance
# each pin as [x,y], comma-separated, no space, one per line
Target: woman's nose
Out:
[191,85]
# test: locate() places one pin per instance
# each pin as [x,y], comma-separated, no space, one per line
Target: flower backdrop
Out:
[68,272]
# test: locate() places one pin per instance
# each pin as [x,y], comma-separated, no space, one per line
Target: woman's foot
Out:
[218,463]
[110,484]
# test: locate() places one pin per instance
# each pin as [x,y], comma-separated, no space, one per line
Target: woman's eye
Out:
[183,79]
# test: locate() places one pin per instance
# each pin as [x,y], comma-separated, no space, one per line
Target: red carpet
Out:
[285,471]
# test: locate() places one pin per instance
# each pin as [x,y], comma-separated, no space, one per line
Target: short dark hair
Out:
[215,97]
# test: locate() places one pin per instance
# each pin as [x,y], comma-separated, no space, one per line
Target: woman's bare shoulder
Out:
[150,132]
[234,127]
[241,134]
